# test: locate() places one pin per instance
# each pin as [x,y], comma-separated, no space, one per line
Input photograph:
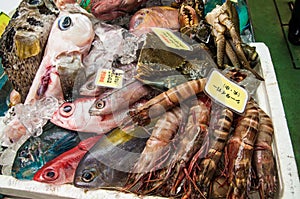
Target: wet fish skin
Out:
[37,151]
[61,170]
[23,42]
[118,99]
[75,116]
[110,160]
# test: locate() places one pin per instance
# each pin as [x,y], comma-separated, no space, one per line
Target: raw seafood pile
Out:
[148,97]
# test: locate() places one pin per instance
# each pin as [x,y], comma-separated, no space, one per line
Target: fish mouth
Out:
[55,120]
[94,112]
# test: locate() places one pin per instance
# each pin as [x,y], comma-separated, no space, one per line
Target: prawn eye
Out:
[100,104]
[33,3]
[88,176]
[67,109]
[64,23]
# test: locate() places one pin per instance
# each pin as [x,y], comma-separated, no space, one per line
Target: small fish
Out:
[37,151]
[118,99]
[23,42]
[61,170]
[111,159]
[75,116]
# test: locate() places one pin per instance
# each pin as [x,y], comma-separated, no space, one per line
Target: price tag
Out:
[170,39]
[226,92]
[110,78]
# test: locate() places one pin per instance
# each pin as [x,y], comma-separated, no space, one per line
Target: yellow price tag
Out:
[170,39]
[4,20]
[226,92]
[109,78]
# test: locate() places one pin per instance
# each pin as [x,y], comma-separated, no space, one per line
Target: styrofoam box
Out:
[269,98]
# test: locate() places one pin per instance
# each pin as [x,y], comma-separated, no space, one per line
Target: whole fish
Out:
[61,170]
[111,159]
[114,100]
[75,116]
[23,42]
[75,31]
[37,151]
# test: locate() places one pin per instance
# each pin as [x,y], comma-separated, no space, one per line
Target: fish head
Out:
[35,152]
[73,30]
[28,160]
[30,27]
[50,174]
[98,106]
[92,173]
[73,115]
[89,88]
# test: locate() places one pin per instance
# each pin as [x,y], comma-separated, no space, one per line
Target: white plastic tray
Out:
[269,99]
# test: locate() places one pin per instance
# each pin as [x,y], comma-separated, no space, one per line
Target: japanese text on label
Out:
[109,78]
[170,39]
[226,92]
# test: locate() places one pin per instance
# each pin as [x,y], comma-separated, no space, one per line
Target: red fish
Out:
[61,170]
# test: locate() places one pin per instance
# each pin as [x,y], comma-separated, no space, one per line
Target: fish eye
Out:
[50,174]
[22,153]
[64,23]
[33,3]
[67,109]
[90,86]
[88,176]
[100,104]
